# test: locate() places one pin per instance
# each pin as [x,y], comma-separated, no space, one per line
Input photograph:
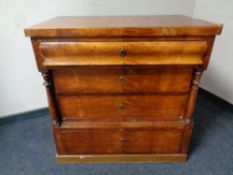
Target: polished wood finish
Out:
[135,53]
[161,137]
[141,141]
[116,107]
[53,108]
[121,26]
[86,80]
[122,158]
[127,124]
[193,92]
[122,89]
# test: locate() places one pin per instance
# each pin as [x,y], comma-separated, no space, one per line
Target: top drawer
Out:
[122,53]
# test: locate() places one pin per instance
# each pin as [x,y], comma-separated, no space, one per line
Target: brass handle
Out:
[122,107]
[122,140]
[122,79]
[122,52]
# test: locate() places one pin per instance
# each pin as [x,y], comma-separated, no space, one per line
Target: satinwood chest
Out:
[122,88]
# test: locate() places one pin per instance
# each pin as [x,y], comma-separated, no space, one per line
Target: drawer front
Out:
[139,141]
[123,79]
[87,141]
[115,107]
[88,80]
[118,141]
[122,53]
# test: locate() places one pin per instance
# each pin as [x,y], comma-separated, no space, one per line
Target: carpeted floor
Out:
[27,148]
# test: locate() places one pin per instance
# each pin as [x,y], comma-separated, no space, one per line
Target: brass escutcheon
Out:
[122,140]
[122,52]
[122,79]
[122,107]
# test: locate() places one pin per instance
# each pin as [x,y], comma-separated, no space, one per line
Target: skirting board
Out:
[122,158]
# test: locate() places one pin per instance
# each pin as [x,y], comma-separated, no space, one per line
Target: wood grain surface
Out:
[120,26]
[127,79]
[136,53]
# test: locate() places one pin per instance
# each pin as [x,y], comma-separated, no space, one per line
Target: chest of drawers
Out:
[122,89]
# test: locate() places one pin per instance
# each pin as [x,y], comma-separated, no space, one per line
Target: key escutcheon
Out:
[122,52]
[122,80]
[122,107]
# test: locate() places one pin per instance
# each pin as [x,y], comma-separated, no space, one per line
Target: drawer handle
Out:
[122,80]
[122,140]
[122,107]
[122,52]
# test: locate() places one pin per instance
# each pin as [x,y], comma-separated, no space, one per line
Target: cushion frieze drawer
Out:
[56,54]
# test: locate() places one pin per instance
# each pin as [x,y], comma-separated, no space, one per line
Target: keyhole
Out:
[122,52]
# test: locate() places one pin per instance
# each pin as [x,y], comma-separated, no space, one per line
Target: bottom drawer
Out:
[158,140]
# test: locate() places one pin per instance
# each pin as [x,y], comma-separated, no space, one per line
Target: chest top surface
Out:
[120,26]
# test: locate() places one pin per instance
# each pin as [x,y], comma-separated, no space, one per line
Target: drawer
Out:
[122,53]
[118,107]
[144,140]
[127,79]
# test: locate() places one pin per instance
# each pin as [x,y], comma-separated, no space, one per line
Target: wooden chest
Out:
[122,89]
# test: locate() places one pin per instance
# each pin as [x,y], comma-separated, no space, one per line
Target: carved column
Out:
[53,109]
[193,93]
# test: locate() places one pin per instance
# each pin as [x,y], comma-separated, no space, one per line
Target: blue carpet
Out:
[27,147]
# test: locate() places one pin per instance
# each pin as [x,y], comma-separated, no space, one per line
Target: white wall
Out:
[219,77]
[20,84]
